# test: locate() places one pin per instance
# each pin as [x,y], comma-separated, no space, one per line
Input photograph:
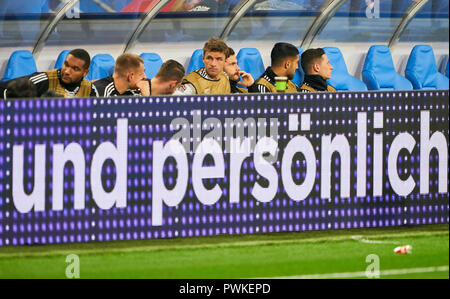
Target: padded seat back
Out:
[102,65]
[250,61]
[196,61]
[61,58]
[340,78]
[446,69]
[379,72]
[422,70]
[152,62]
[299,76]
[21,63]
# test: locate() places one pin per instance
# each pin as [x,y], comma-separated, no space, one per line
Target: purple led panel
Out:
[117,141]
[45,123]
[4,221]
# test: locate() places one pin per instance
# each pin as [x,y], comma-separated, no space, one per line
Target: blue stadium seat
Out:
[250,61]
[61,58]
[299,76]
[340,78]
[196,61]
[21,63]
[102,66]
[422,70]
[446,69]
[152,62]
[379,72]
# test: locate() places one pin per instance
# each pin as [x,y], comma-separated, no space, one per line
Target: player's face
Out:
[325,67]
[136,75]
[214,63]
[172,86]
[293,66]
[232,68]
[73,70]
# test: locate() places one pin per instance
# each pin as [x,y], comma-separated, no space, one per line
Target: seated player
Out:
[317,70]
[167,79]
[69,80]
[129,79]
[284,60]
[210,79]
[235,74]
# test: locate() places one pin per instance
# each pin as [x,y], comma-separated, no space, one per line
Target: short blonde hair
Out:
[127,61]
[171,70]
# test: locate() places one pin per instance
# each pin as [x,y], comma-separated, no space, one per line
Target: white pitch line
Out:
[364,240]
[363,274]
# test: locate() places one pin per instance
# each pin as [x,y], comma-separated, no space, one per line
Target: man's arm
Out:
[261,88]
[185,89]
[253,88]
[144,87]
[41,81]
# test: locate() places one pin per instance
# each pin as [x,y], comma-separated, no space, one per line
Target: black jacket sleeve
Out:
[2,90]
[41,81]
[253,88]
[261,88]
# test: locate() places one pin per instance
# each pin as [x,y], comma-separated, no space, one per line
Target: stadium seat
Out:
[196,61]
[102,65]
[379,72]
[152,62]
[250,61]
[340,78]
[61,58]
[446,69]
[299,76]
[422,70]
[21,63]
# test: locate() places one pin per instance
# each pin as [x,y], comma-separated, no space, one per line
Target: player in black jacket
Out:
[284,63]
[235,74]
[129,79]
[66,82]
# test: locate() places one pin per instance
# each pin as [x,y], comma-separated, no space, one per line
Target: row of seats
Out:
[22,63]
[378,72]
[421,70]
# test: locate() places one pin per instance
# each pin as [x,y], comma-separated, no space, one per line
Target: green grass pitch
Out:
[319,254]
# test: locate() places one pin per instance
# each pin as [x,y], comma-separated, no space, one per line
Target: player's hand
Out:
[247,79]
[144,87]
